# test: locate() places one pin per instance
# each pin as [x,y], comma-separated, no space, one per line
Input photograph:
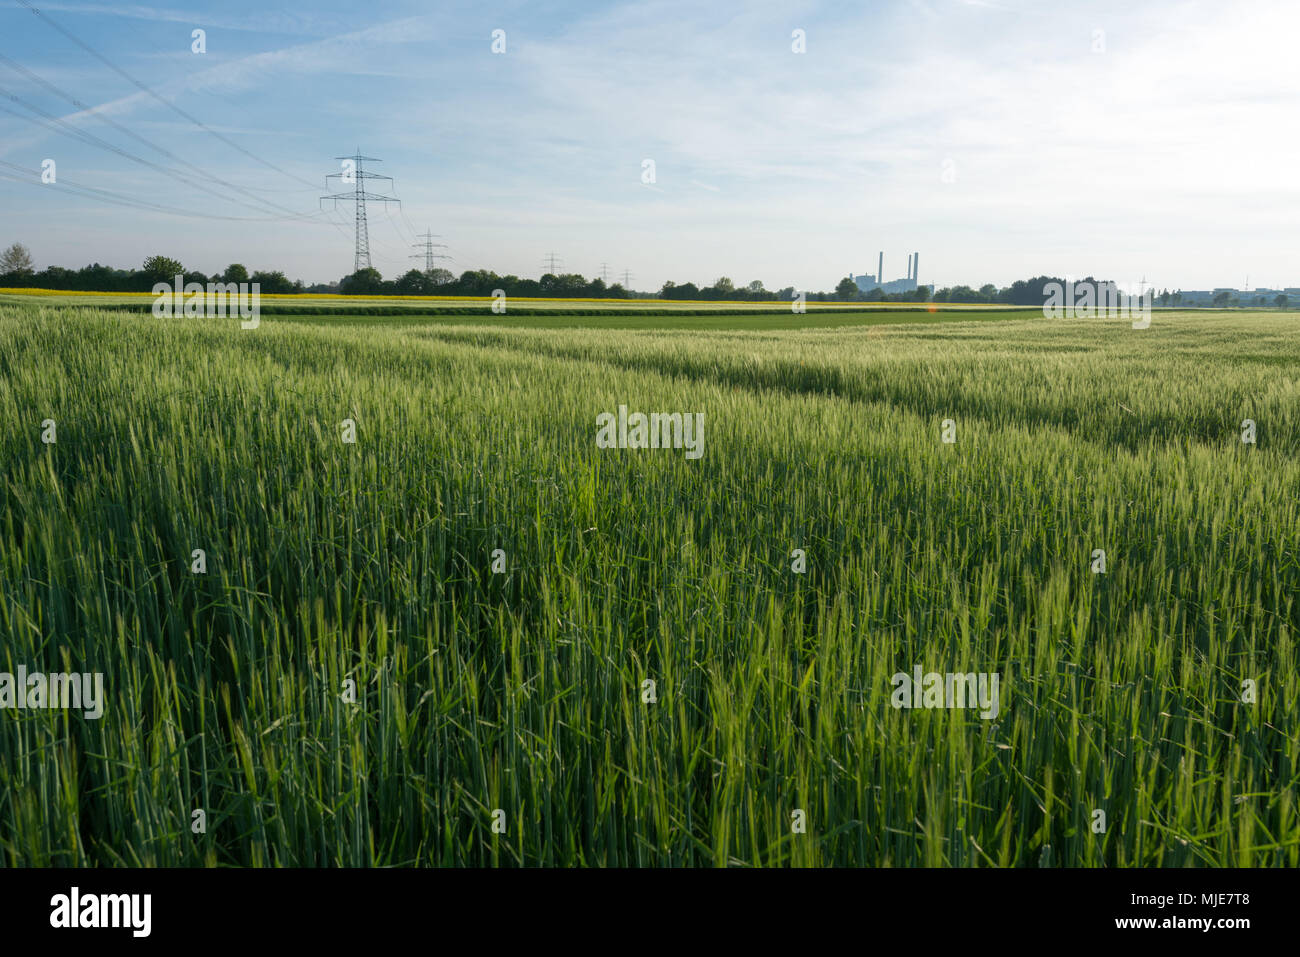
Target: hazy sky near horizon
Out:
[999,138]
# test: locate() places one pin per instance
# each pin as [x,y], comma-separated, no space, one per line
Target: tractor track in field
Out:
[1133,430]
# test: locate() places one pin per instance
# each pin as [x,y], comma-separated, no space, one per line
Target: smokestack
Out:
[916,266]
[880,270]
[909,266]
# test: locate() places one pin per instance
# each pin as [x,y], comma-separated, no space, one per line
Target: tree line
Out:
[16,270]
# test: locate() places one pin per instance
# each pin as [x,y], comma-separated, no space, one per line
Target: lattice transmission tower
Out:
[359,196]
[428,246]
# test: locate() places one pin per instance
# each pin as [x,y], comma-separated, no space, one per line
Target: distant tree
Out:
[99,278]
[162,269]
[1024,292]
[55,277]
[439,276]
[413,283]
[755,288]
[479,282]
[235,272]
[616,291]
[724,288]
[1281,300]
[1221,298]
[562,286]
[272,283]
[16,261]
[846,290]
[569,285]
[363,282]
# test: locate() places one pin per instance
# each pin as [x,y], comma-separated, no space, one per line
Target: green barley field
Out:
[350,683]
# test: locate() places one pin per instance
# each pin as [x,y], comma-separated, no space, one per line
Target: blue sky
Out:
[1000,139]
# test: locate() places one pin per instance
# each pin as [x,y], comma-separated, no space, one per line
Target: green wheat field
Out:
[350,684]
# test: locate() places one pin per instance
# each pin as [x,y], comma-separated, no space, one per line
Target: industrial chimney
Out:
[880,271]
[916,266]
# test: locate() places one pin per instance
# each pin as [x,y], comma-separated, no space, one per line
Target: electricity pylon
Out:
[360,197]
[428,246]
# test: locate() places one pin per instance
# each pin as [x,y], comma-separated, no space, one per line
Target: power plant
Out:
[868,282]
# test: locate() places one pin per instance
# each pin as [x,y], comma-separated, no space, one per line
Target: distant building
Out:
[1205,297]
[869,282]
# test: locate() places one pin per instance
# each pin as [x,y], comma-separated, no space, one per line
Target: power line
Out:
[410,230]
[33,178]
[360,197]
[428,246]
[167,103]
[57,125]
[394,252]
[332,217]
[50,87]
[554,263]
[627,279]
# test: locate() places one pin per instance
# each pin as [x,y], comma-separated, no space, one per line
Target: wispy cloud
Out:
[259,21]
[990,134]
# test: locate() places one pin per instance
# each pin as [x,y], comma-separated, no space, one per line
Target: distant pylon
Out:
[428,246]
[360,197]
[627,279]
[604,273]
[552,263]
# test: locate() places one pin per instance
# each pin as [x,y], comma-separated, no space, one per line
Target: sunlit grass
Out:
[522,691]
